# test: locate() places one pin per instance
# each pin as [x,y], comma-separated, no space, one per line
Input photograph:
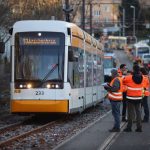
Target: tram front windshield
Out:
[39,56]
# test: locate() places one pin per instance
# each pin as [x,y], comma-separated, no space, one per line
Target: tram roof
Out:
[141,44]
[53,25]
[44,25]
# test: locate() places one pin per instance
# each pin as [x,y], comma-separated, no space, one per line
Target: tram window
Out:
[70,56]
[73,54]
[88,69]
[73,67]
[99,71]
[95,70]
[81,68]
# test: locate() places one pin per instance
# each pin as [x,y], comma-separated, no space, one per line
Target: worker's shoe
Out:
[138,130]
[114,130]
[145,120]
[124,119]
[127,130]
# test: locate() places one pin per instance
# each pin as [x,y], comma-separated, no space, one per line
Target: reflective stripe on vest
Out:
[114,96]
[138,92]
[133,98]
[134,89]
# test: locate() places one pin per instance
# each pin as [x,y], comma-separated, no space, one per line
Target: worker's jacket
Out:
[122,76]
[116,96]
[134,90]
[146,86]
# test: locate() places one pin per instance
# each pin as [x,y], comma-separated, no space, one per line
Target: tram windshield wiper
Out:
[49,73]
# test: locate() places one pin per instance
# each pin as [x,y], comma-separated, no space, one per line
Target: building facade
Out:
[98,13]
[144,3]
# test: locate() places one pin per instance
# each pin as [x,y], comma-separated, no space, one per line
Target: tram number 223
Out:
[39,92]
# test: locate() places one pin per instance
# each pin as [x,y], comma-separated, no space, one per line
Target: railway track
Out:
[7,119]
[18,131]
[50,134]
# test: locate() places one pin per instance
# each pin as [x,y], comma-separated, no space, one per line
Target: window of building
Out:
[106,19]
[96,13]
[106,8]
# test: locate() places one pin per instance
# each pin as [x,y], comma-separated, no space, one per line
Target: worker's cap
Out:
[122,66]
[114,72]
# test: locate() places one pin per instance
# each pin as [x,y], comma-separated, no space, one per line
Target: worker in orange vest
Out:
[145,95]
[115,89]
[134,97]
[122,71]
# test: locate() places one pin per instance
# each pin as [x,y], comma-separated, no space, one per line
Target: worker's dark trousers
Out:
[146,108]
[124,107]
[134,109]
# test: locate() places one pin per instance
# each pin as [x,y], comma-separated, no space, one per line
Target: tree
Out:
[4,12]
[15,10]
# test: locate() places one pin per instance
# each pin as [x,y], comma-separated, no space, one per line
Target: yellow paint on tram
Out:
[39,106]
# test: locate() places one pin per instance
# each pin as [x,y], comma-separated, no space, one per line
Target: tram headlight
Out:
[39,34]
[48,86]
[21,86]
[29,86]
[56,86]
[53,86]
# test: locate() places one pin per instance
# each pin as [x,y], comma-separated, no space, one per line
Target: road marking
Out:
[111,139]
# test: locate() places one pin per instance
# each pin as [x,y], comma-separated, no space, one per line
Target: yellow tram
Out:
[56,68]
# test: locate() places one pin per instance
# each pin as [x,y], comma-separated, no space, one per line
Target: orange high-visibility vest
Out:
[134,91]
[120,72]
[122,76]
[116,96]
[146,85]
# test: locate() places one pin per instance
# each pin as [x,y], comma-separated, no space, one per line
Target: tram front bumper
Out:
[34,106]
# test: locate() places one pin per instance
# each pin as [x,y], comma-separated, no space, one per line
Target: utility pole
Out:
[91,18]
[83,14]
[123,22]
[67,7]
[133,7]
[67,10]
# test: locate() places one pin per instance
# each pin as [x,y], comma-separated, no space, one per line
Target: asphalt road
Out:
[123,59]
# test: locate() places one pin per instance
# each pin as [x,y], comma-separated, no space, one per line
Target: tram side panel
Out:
[86,89]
